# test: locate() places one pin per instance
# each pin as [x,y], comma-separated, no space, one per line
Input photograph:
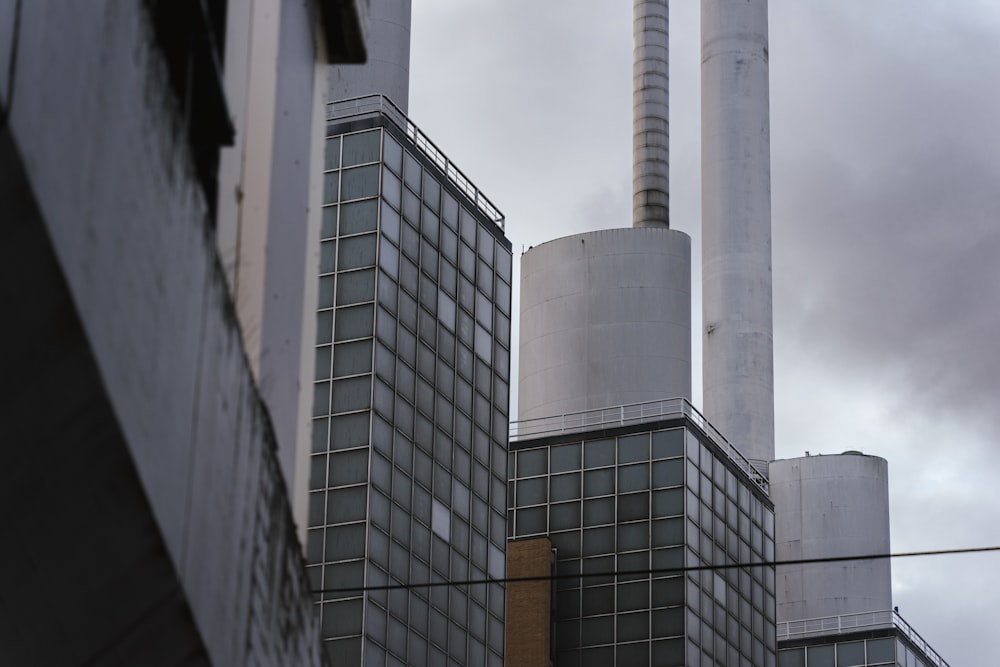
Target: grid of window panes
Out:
[655,500]
[409,458]
[858,653]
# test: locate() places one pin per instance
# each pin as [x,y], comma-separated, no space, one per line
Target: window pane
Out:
[880,650]
[565,457]
[633,536]
[346,504]
[599,453]
[327,256]
[359,182]
[354,322]
[598,511]
[850,654]
[345,542]
[411,172]
[361,148]
[820,656]
[564,516]
[357,252]
[331,185]
[668,503]
[325,299]
[633,477]
[323,359]
[321,399]
[599,482]
[355,287]
[531,491]
[668,532]
[532,520]
[352,394]
[633,448]
[352,358]
[349,431]
[668,473]
[795,657]
[348,467]
[565,487]
[668,443]
[332,149]
[359,216]
[532,462]
[598,541]
[633,506]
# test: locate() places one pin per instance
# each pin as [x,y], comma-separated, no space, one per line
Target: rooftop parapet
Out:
[846,623]
[631,414]
[372,105]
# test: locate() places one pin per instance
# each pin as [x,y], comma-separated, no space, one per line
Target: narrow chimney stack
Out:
[650,114]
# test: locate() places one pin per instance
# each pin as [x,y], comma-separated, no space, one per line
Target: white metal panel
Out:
[831,506]
[605,320]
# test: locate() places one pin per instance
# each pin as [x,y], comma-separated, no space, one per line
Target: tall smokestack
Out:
[650,115]
[738,352]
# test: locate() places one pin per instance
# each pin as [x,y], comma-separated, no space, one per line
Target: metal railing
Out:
[379,104]
[634,413]
[835,625]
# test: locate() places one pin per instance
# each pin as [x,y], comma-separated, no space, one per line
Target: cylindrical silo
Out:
[605,321]
[738,368]
[387,70]
[650,114]
[831,506]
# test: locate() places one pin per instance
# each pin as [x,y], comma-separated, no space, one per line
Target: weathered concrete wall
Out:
[831,506]
[287,332]
[98,134]
[605,321]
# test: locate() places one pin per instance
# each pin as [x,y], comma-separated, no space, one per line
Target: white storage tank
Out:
[831,506]
[605,321]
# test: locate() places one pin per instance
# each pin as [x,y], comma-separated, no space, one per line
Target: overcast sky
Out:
[885,127]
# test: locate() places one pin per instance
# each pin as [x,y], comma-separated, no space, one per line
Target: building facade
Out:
[854,640]
[146,516]
[411,395]
[650,492]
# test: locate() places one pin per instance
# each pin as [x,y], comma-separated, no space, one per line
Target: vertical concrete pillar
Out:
[738,367]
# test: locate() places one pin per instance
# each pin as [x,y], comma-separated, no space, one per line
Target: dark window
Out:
[191,34]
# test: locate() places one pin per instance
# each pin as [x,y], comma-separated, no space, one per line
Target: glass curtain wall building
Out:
[652,498]
[880,638]
[410,414]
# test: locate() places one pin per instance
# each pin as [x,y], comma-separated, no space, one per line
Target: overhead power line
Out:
[651,571]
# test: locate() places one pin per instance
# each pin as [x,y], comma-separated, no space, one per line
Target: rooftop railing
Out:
[634,413]
[379,104]
[871,620]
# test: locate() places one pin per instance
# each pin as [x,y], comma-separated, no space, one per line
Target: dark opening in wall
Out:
[191,34]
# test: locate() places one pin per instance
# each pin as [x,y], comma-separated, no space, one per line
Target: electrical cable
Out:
[650,571]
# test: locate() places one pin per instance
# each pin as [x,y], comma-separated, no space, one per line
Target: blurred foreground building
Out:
[157,197]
